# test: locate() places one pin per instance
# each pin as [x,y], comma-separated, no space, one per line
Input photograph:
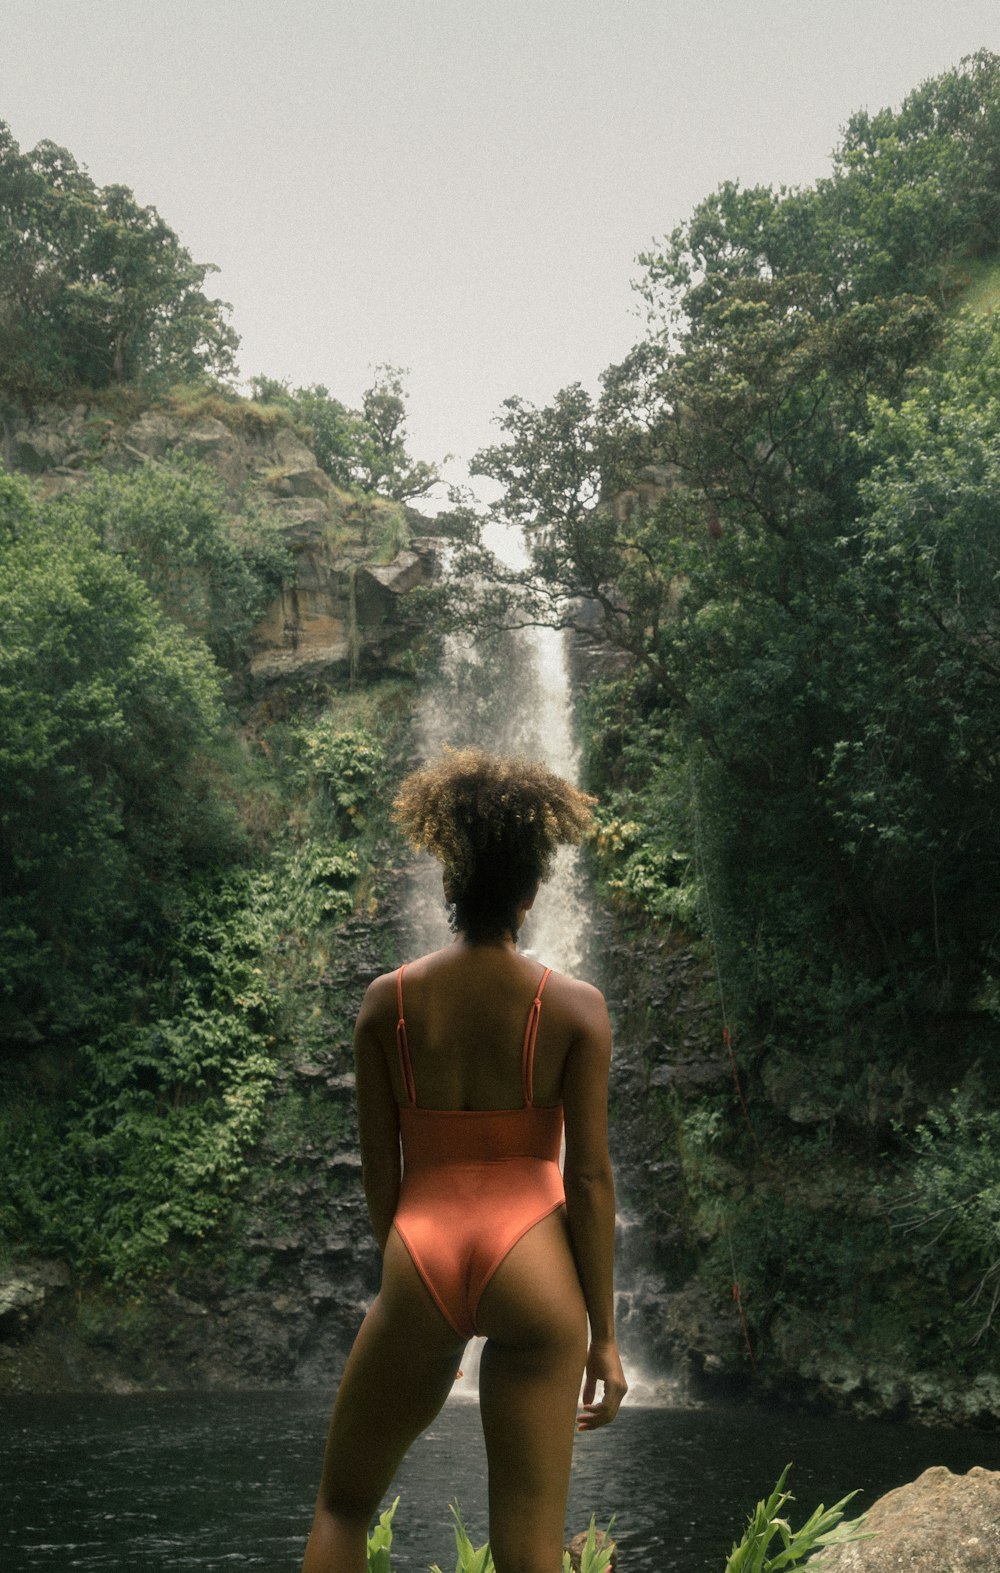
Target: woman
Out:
[472,1058]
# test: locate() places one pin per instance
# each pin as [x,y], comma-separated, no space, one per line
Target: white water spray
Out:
[510,693]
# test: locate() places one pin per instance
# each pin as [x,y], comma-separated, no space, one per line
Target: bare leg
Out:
[529,1382]
[397,1376]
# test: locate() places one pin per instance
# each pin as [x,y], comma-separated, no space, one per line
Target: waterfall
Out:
[510,693]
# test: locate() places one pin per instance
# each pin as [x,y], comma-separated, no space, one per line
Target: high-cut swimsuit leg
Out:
[474,1181]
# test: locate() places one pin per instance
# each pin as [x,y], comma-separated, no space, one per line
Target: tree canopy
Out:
[359,449]
[782,508]
[95,288]
[120,606]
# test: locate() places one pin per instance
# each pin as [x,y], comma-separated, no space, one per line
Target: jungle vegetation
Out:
[779,515]
[173,857]
[781,511]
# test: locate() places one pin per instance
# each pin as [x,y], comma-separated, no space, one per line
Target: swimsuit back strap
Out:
[402,1047]
[530,1034]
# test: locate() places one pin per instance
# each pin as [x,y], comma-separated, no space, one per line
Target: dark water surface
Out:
[223,1480]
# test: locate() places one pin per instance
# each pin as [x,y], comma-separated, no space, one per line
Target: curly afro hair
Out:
[494,823]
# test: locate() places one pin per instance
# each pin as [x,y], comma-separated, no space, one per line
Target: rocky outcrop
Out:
[338,615]
[715,1197]
[356,558]
[602,1542]
[668,1054]
[25,1293]
[62,445]
[941,1523]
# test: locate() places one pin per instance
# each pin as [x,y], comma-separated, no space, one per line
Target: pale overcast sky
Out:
[455,186]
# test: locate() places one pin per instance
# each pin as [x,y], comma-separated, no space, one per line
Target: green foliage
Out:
[134,1153]
[823,1528]
[469,1559]
[644,828]
[346,766]
[385,528]
[364,449]
[214,574]
[153,1143]
[795,1254]
[96,289]
[980,286]
[335,433]
[380,1541]
[382,460]
[595,1557]
[320,883]
[780,513]
[913,193]
[102,706]
[947,1205]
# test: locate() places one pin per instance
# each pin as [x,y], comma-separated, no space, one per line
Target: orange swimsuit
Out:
[474,1181]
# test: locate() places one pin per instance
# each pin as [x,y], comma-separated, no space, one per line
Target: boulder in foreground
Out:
[940,1523]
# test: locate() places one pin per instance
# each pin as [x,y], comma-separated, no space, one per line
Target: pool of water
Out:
[224,1480]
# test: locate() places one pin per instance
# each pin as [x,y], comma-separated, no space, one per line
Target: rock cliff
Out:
[356,558]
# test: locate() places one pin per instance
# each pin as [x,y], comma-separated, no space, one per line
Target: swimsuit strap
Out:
[530,1034]
[402,1047]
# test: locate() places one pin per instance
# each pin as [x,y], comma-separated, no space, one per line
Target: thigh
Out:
[397,1376]
[535,1320]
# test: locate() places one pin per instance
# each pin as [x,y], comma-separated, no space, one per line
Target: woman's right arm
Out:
[378,1113]
[590,1202]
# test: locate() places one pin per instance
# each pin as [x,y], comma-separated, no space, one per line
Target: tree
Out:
[384,465]
[96,289]
[914,192]
[213,573]
[102,705]
[359,449]
[736,506]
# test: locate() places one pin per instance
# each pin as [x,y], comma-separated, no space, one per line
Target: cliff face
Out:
[705,1207]
[356,558]
[759,1251]
[276,1295]
[722,1286]
[276,1298]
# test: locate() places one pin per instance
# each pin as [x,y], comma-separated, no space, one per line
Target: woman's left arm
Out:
[378,1112]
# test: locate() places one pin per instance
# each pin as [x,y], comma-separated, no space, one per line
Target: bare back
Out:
[466,1010]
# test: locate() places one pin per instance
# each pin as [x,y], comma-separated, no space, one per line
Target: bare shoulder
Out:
[583,1004]
[379,1003]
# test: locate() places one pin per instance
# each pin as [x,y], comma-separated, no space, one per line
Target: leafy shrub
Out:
[380,1541]
[209,571]
[644,838]
[949,1209]
[103,705]
[823,1528]
[154,1141]
[346,766]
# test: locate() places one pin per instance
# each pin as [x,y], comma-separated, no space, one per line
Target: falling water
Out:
[510,692]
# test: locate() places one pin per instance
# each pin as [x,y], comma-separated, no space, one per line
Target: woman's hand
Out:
[604,1366]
